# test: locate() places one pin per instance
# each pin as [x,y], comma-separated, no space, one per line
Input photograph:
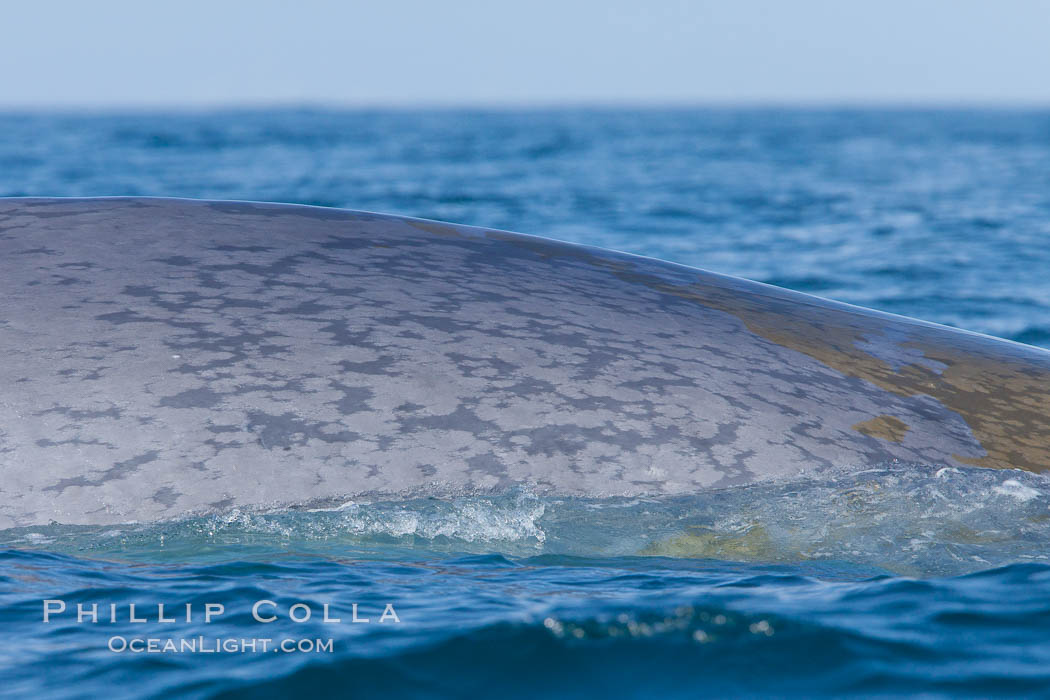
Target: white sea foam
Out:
[903,518]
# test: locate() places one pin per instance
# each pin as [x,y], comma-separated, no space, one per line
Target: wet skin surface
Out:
[166,356]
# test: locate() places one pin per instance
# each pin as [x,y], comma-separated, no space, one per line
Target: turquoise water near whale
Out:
[889,580]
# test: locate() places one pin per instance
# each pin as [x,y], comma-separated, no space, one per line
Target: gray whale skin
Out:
[164,357]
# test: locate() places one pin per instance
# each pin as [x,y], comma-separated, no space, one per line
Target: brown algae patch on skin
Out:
[750,543]
[1004,399]
[883,427]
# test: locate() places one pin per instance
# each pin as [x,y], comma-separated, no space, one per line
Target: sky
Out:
[197,53]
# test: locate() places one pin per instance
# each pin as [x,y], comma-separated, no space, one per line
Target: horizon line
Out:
[873,104]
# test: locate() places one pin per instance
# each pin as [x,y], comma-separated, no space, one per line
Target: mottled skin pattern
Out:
[163,357]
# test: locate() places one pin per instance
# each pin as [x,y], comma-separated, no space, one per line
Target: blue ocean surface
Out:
[899,579]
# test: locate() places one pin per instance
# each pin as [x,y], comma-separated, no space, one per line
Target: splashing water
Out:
[905,519]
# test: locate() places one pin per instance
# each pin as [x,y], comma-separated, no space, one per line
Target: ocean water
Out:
[889,580]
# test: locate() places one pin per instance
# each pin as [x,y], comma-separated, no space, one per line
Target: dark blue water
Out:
[903,579]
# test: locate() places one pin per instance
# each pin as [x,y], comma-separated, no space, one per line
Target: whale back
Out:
[170,356]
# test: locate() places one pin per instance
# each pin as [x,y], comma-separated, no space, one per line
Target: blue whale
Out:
[164,357]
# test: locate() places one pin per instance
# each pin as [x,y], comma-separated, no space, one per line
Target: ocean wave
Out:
[539,626]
